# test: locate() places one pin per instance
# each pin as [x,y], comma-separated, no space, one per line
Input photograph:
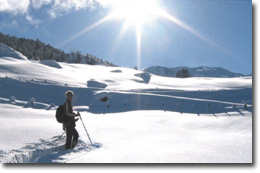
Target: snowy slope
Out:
[9,53]
[132,116]
[194,72]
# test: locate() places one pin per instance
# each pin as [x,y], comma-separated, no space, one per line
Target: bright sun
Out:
[135,12]
[138,13]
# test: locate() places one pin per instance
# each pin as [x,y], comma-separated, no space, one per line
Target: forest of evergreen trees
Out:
[37,50]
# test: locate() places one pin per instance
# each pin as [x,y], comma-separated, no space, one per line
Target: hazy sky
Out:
[216,33]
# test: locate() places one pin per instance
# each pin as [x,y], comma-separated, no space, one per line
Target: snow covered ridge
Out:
[132,116]
[194,72]
[7,52]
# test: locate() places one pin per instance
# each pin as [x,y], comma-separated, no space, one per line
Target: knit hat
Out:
[69,93]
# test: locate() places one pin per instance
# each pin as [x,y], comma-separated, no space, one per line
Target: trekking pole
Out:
[60,136]
[85,130]
[57,139]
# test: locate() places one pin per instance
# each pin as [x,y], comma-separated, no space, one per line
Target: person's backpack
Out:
[60,114]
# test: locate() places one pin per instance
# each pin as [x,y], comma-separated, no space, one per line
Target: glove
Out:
[78,114]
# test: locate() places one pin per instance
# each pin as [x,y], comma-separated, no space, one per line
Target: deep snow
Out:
[132,137]
[131,116]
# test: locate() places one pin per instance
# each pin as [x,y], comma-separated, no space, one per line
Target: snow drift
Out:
[7,52]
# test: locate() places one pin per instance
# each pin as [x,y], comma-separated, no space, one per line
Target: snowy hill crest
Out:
[8,52]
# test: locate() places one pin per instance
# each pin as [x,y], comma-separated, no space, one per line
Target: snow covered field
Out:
[132,137]
[131,116]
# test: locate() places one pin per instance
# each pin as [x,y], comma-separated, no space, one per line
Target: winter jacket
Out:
[69,115]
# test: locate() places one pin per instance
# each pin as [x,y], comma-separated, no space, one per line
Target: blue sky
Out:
[208,33]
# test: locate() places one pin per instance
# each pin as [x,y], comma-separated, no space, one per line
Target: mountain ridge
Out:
[201,71]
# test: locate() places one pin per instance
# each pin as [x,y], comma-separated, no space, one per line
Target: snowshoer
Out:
[69,123]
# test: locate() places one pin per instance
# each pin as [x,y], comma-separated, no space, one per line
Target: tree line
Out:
[37,50]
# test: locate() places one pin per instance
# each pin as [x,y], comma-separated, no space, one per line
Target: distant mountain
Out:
[37,50]
[194,72]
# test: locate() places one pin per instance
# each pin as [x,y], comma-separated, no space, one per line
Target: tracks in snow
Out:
[46,151]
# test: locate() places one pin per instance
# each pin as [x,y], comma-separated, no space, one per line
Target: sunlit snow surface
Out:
[142,118]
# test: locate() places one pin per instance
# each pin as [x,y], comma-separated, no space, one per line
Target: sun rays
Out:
[186,27]
[85,30]
[137,14]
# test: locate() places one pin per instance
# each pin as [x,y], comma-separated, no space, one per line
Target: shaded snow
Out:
[95,84]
